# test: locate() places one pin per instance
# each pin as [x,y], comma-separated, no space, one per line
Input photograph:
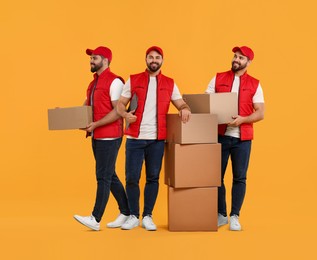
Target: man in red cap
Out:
[236,137]
[106,131]
[149,94]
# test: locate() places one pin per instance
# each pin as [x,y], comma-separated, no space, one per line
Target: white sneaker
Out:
[120,220]
[132,222]
[89,221]
[234,223]
[222,220]
[148,224]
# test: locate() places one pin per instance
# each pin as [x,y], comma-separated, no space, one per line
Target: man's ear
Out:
[106,62]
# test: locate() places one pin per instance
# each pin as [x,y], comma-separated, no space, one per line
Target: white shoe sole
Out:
[235,229]
[222,224]
[149,229]
[113,226]
[110,225]
[131,227]
[118,223]
[86,225]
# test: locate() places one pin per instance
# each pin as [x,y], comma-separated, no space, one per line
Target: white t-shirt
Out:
[115,93]
[116,89]
[148,127]
[257,98]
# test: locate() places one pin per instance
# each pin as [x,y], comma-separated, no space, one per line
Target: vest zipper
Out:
[92,98]
[91,102]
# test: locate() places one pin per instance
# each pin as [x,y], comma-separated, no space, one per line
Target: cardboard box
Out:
[192,165]
[224,105]
[193,209]
[201,128]
[69,117]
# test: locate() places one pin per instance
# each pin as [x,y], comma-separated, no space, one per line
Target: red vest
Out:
[139,86]
[247,89]
[102,104]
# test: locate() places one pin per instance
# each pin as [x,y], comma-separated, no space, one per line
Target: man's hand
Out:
[185,115]
[130,117]
[183,108]
[237,120]
[91,127]
[256,116]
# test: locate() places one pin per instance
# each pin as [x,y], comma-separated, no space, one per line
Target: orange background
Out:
[47,176]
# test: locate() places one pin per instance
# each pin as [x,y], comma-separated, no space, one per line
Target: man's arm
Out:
[183,108]
[107,119]
[121,110]
[211,86]
[256,116]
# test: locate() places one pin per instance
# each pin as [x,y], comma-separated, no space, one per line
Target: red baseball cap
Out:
[101,50]
[246,51]
[155,48]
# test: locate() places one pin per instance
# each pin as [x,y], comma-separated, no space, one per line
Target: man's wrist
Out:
[124,114]
[184,106]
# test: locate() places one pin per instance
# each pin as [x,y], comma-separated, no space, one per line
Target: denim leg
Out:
[117,190]
[240,155]
[105,153]
[133,166]
[153,163]
[225,142]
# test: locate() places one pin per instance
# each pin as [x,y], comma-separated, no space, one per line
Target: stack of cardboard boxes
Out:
[193,162]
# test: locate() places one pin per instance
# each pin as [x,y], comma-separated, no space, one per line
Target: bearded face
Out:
[95,66]
[154,61]
[239,62]
[238,65]
[153,66]
[96,62]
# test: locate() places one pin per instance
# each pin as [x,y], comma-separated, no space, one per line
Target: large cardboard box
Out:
[192,165]
[69,117]
[224,105]
[193,209]
[201,128]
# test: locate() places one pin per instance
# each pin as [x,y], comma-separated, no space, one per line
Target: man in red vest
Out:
[106,131]
[149,94]
[235,137]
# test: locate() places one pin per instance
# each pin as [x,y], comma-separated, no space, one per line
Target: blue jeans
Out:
[137,151]
[239,151]
[105,153]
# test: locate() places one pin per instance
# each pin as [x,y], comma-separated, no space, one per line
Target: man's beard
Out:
[235,66]
[154,66]
[96,67]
